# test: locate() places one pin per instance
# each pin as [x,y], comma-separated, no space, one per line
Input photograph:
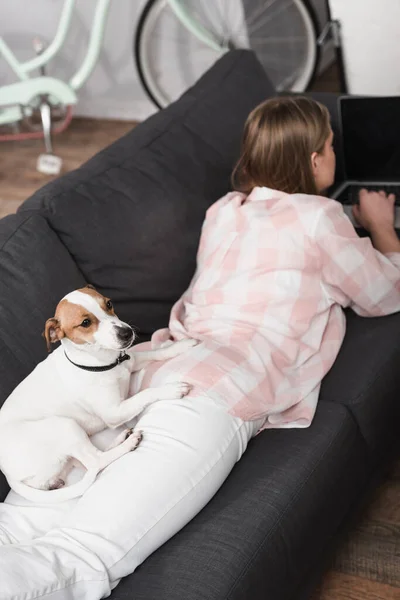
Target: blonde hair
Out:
[278,139]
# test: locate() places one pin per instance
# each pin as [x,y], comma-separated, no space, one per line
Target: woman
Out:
[277,262]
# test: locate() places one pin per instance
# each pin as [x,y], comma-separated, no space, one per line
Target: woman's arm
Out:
[385,240]
[354,273]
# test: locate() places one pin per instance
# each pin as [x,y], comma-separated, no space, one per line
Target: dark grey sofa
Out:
[128,221]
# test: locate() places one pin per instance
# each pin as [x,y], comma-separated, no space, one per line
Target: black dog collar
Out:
[121,358]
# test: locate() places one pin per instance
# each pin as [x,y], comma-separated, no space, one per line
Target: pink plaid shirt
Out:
[273,273]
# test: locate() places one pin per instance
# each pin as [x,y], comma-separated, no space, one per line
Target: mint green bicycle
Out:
[176,41]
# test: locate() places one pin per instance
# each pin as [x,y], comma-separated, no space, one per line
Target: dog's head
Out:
[87,318]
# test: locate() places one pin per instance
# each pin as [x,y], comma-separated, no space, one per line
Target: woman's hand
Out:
[376,214]
[375,211]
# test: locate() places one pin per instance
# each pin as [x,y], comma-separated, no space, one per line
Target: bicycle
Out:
[207,28]
[284,34]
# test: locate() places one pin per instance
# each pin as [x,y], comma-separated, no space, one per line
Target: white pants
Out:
[80,549]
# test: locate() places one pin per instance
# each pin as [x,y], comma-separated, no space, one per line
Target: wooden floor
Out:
[18,175]
[366,565]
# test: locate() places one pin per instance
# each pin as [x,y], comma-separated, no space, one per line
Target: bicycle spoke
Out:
[227,38]
[206,10]
[269,18]
[275,69]
[240,29]
[173,39]
[222,20]
[277,40]
[206,14]
[207,20]
[278,61]
[236,20]
[238,26]
[258,12]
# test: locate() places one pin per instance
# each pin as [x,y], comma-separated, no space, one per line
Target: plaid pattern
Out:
[273,273]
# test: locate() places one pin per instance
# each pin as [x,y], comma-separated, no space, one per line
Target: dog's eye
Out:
[86,323]
[109,305]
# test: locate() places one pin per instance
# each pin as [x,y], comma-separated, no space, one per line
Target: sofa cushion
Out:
[36,270]
[131,217]
[269,524]
[366,378]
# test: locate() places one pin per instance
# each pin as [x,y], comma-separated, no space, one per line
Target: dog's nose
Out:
[125,334]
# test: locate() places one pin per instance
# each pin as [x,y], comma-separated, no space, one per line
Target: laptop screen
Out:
[371,138]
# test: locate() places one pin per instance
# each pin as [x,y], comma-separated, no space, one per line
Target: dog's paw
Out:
[172,391]
[126,433]
[133,438]
[56,483]
[167,344]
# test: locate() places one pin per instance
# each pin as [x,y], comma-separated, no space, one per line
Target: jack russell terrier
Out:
[77,391]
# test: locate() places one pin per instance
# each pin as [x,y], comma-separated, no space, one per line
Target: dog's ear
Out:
[52,332]
[90,286]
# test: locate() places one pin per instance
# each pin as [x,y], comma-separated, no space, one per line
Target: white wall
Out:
[113,89]
[371,44]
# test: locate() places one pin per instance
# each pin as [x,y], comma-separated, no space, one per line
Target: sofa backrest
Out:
[131,216]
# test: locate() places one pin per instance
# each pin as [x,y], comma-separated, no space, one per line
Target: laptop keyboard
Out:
[350,194]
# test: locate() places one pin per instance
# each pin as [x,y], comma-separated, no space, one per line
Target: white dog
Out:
[77,391]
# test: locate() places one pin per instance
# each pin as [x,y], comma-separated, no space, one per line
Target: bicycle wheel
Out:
[169,58]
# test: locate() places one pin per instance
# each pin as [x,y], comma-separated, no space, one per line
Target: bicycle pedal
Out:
[49,164]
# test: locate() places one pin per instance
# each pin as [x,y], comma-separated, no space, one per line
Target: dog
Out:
[81,388]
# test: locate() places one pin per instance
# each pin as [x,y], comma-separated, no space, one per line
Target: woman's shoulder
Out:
[308,208]
[233,199]
[311,200]
[318,205]
[317,212]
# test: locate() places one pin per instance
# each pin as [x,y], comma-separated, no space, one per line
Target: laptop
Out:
[370,133]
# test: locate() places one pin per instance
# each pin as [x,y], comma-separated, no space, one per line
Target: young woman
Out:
[277,262]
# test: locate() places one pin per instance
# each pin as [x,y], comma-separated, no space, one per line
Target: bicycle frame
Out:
[28,87]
